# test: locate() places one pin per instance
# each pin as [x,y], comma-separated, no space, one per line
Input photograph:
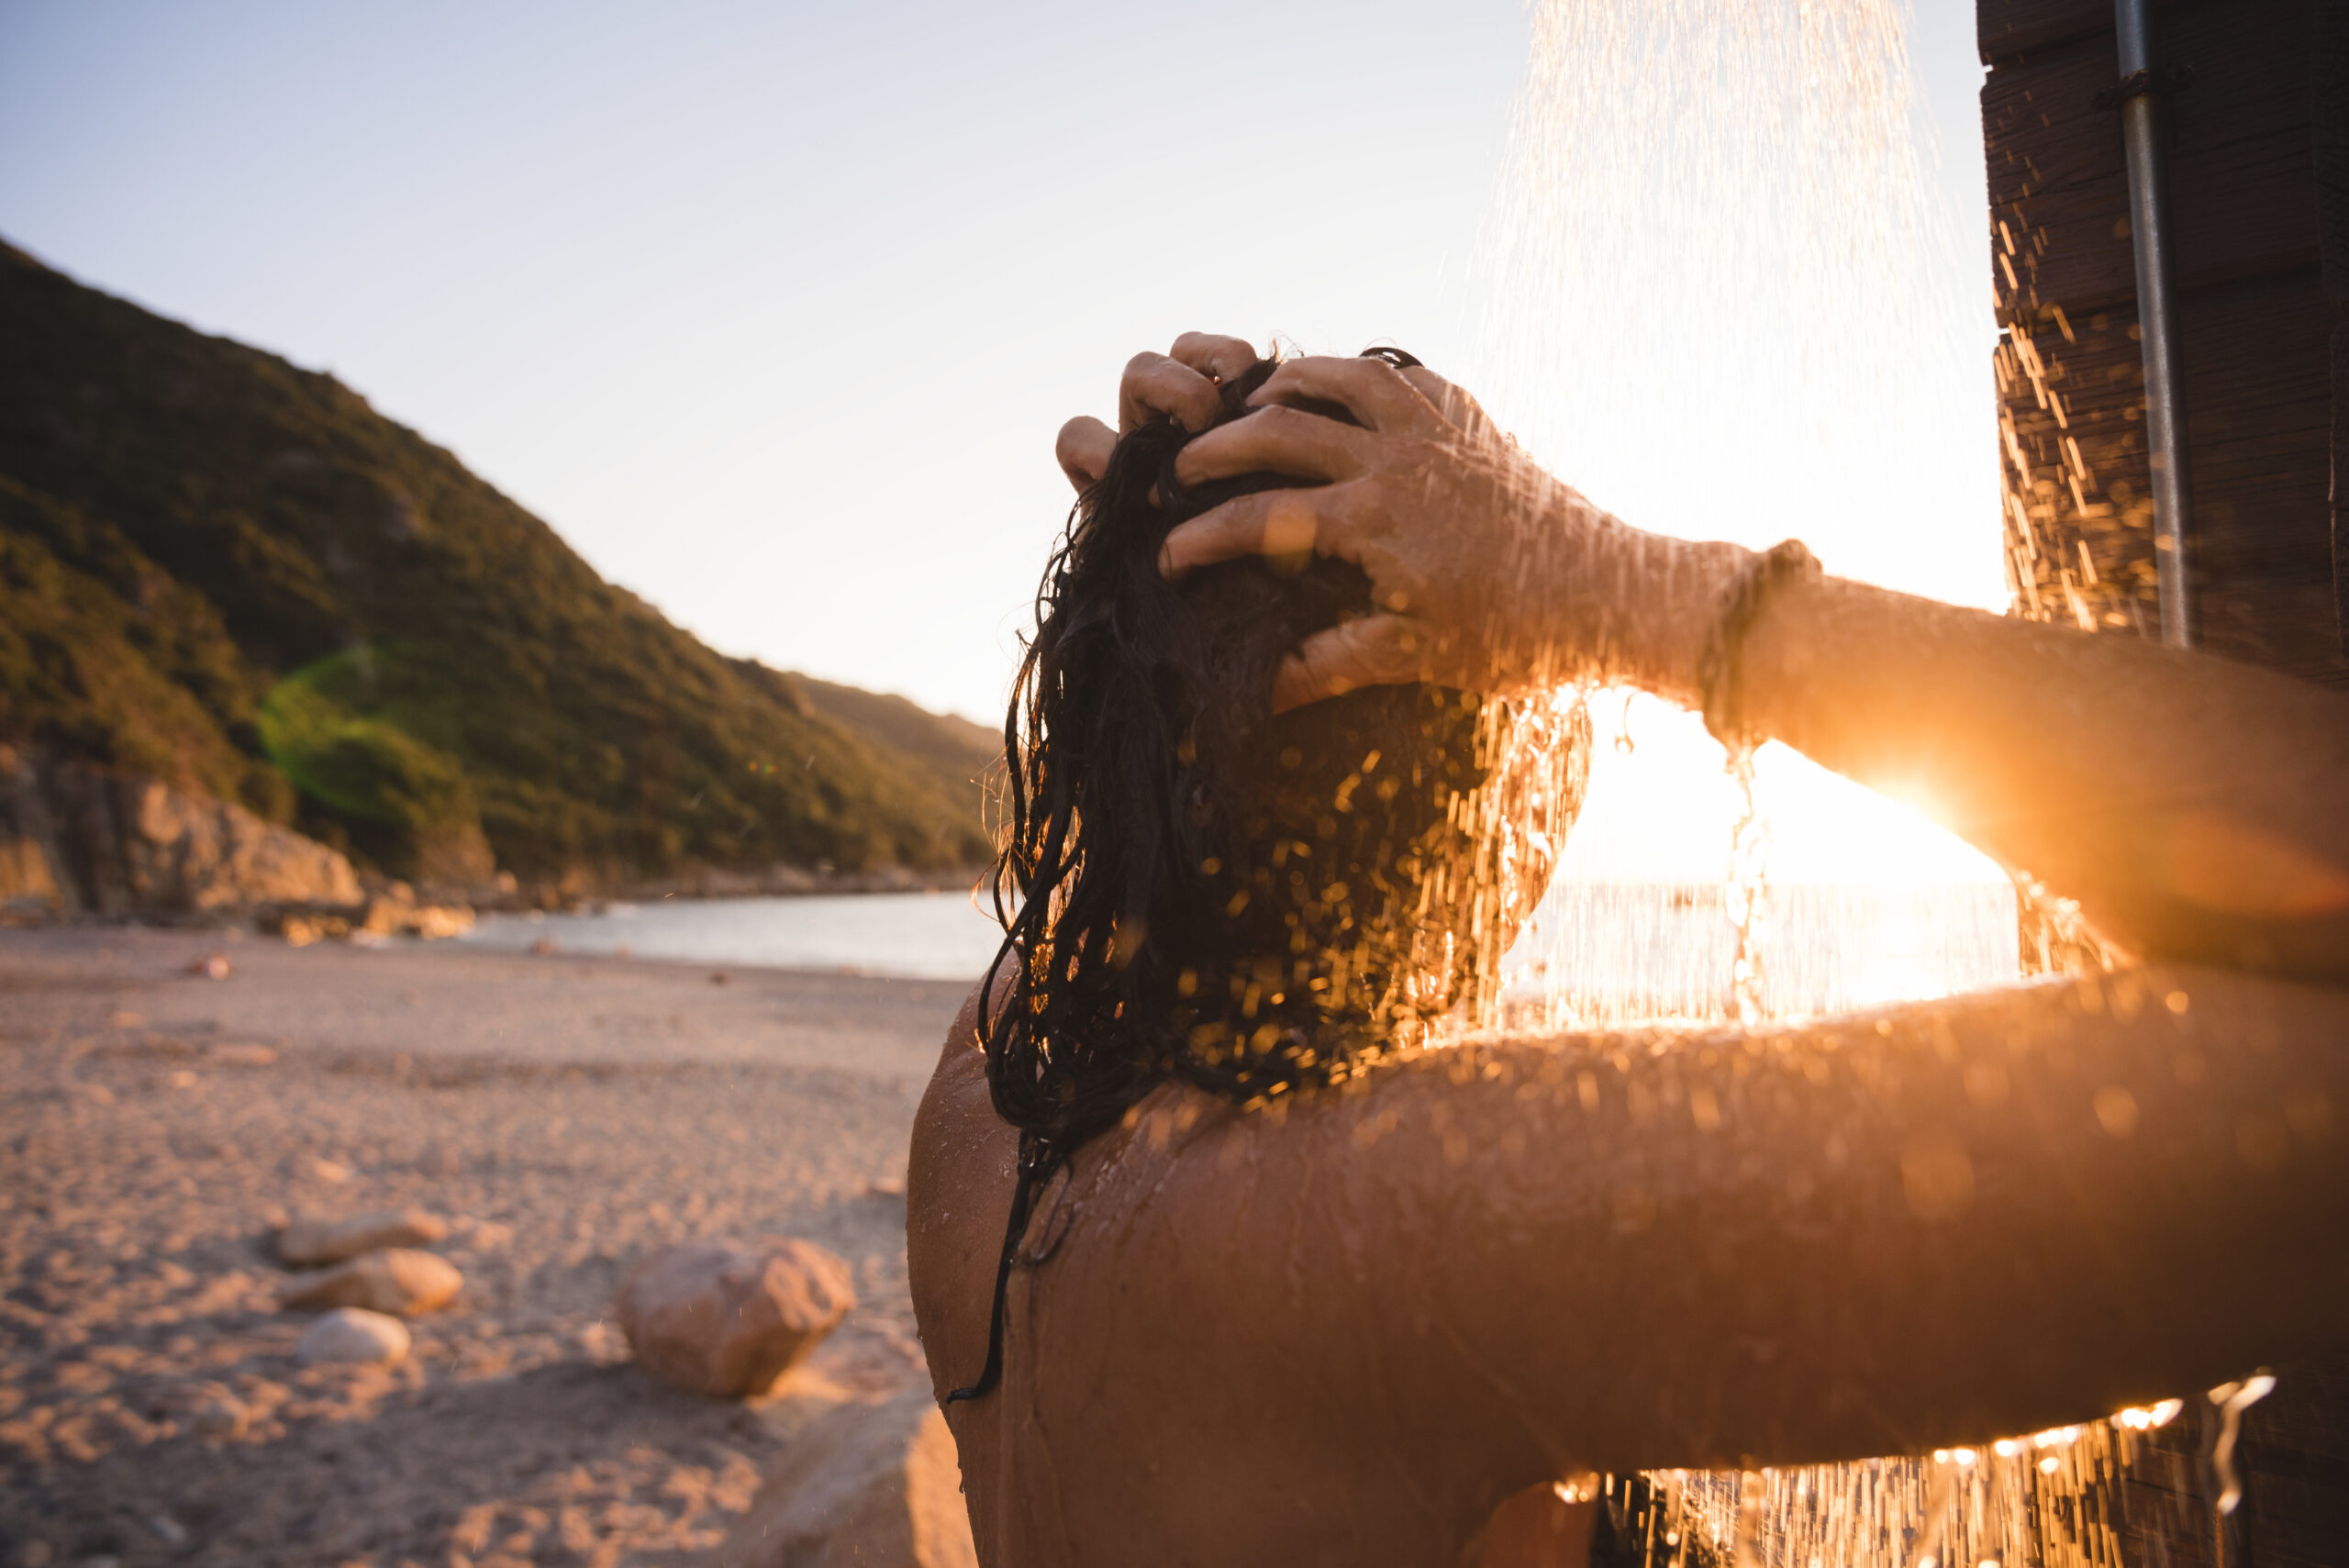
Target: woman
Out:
[1343,1324]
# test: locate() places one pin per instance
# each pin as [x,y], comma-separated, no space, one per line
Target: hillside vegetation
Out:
[232,574]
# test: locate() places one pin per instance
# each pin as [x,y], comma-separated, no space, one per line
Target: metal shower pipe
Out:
[2149,226]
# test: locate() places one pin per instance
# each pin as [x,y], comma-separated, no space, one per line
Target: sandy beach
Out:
[565,1115]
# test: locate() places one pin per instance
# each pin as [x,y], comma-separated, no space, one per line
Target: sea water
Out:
[909,936]
[1601,953]
[1604,952]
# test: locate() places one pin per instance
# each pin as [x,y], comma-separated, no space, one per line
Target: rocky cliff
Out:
[232,576]
[78,839]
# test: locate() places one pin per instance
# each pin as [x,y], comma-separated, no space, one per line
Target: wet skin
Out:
[1344,1330]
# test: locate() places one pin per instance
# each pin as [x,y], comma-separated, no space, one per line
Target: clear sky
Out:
[773,310]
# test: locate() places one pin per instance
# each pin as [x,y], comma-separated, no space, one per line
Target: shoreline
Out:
[271,915]
[781,881]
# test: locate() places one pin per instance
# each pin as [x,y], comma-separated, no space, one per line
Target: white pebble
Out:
[353,1334]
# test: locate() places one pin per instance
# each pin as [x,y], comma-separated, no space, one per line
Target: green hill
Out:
[233,574]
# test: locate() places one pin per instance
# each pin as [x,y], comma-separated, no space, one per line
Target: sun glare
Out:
[1661,805]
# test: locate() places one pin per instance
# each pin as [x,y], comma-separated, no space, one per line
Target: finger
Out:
[1276,440]
[1375,651]
[1287,524]
[1373,391]
[1083,450]
[1154,385]
[1460,410]
[1228,359]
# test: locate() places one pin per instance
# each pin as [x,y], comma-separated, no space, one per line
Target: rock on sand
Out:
[394,1280]
[307,1243]
[350,1334]
[719,1318]
[872,1485]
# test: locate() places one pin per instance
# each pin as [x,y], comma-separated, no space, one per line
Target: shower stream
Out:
[1722,298]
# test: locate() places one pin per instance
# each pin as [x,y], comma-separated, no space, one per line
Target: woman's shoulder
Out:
[959,1176]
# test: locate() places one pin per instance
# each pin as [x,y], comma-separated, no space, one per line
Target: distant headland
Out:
[260,645]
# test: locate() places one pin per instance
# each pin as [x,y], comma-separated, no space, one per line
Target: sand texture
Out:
[565,1115]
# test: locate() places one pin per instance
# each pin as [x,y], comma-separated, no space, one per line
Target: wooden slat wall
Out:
[2330,111]
[2258,321]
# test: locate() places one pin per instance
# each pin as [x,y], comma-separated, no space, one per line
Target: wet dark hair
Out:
[1195,888]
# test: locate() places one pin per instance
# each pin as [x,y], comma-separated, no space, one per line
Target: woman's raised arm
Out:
[2196,809]
[1934,1226]
[2192,807]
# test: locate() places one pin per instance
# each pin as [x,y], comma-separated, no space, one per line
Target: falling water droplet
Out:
[1747,888]
[1749,1521]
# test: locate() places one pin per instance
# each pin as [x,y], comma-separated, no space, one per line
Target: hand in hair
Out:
[1180,385]
[1492,575]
